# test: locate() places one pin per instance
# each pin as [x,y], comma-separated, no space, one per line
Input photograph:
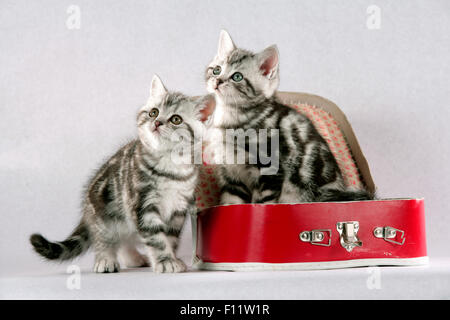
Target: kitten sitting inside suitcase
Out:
[244,84]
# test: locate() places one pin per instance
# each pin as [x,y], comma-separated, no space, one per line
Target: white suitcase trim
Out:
[256,266]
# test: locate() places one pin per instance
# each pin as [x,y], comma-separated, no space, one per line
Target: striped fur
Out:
[308,171]
[139,197]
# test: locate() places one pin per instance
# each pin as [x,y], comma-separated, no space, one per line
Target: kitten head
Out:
[237,76]
[169,119]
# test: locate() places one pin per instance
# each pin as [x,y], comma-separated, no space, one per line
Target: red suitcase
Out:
[310,235]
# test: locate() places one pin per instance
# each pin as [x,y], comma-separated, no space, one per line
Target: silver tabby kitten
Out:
[140,197]
[244,84]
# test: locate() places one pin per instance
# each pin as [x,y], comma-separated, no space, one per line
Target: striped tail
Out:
[344,195]
[76,244]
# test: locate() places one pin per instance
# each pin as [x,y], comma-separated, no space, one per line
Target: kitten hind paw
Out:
[106,266]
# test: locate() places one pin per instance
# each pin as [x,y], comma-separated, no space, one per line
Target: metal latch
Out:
[348,231]
[389,234]
[316,237]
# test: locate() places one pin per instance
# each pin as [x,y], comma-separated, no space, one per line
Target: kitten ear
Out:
[157,89]
[268,61]
[226,45]
[206,107]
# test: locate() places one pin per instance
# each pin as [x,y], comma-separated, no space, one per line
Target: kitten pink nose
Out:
[217,83]
[158,123]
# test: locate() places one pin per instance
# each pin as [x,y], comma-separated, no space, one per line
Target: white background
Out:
[68,98]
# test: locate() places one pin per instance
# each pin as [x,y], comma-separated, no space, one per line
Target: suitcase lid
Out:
[295,98]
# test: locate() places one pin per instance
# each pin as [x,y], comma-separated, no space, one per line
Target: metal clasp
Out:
[316,237]
[348,234]
[389,234]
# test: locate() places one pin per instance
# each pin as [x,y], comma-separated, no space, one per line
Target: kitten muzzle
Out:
[156,126]
[216,84]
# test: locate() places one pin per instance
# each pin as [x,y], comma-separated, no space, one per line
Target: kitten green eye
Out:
[217,70]
[237,76]
[176,119]
[153,113]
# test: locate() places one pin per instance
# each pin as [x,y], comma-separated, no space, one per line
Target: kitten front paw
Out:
[169,265]
[105,265]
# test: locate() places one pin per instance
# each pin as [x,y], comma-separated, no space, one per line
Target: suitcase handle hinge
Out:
[390,234]
[316,237]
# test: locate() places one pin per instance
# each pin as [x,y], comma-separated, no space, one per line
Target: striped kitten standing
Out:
[141,195]
[244,84]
